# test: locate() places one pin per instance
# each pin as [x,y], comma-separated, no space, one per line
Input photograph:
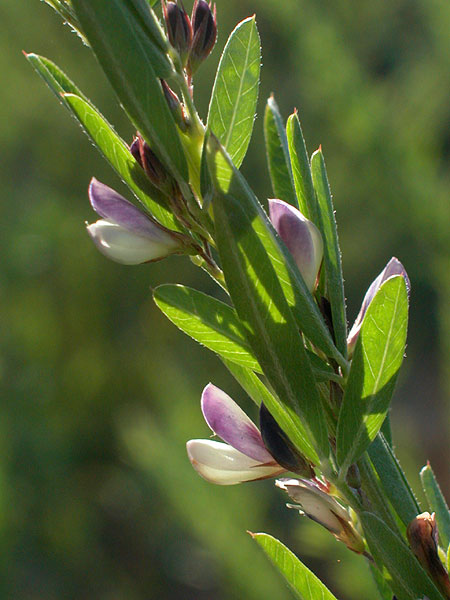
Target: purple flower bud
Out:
[125,234]
[179,29]
[393,267]
[301,237]
[204,26]
[243,458]
[280,447]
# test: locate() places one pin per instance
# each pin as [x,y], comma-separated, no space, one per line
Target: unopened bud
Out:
[175,106]
[125,234]
[319,506]
[179,29]
[204,26]
[301,237]
[393,267]
[280,447]
[423,538]
[151,164]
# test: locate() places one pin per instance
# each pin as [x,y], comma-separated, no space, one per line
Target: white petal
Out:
[224,465]
[123,246]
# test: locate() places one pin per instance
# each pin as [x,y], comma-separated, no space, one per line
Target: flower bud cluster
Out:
[192,37]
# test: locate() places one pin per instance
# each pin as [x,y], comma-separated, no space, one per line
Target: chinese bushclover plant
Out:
[323,393]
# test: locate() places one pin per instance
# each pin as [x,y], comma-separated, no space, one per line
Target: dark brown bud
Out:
[423,537]
[151,164]
[175,106]
[134,149]
[204,26]
[280,447]
[179,28]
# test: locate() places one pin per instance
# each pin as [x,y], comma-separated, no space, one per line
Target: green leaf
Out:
[250,257]
[54,77]
[393,480]
[216,326]
[106,140]
[437,503]
[235,92]
[302,304]
[133,62]
[301,170]
[410,580]
[376,362]
[278,154]
[302,581]
[116,152]
[207,320]
[332,253]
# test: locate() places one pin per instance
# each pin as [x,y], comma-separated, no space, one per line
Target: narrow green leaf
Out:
[278,154]
[302,581]
[54,77]
[393,480]
[116,152]
[437,503]
[216,326]
[235,92]
[249,255]
[106,140]
[302,304]
[301,170]
[332,253]
[207,320]
[376,362]
[410,580]
[133,63]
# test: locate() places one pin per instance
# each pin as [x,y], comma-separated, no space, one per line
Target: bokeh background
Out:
[99,392]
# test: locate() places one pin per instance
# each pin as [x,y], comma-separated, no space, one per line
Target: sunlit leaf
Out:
[301,580]
[133,62]
[376,362]
[437,503]
[332,253]
[278,154]
[233,101]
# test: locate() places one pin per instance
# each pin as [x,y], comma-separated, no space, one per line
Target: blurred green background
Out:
[100,392]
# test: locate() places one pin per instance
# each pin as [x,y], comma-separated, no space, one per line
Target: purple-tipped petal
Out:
[301,237]
[229,421]
[393,267]
[112,206]
[126,247]
[224,465]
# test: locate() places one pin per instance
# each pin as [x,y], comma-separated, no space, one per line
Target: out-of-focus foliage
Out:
[100,392]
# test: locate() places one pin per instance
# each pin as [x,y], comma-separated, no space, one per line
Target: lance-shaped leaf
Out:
[133,62]
[376,362]
[301,580]
[105,139]
[235,92]
[301,170]
[207,320]
[437,503]
[249,252]
[277,151]
[409,579]
[216,326]
[117,153]
[393,479]
[306,313]
[332,253]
